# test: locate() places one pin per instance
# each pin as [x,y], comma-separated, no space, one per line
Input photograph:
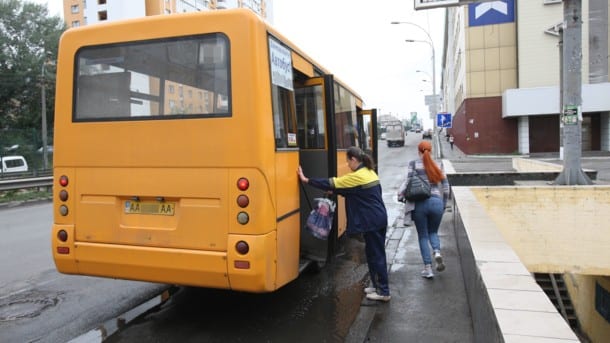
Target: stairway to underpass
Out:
[555,288]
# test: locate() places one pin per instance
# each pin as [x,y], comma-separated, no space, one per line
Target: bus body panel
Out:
[288,216]
[191,164]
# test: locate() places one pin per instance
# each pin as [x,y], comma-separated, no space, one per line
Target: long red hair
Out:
[435,174]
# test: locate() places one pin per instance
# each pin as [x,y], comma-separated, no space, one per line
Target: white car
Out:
[12,164]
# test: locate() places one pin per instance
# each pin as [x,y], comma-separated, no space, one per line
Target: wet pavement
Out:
[421,310]
[437,310]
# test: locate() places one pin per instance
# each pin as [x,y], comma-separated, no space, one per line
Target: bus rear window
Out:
[187,77]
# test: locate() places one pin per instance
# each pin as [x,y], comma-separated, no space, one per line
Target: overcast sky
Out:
[355,41]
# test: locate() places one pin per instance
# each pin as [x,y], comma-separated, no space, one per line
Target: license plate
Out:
[145,207]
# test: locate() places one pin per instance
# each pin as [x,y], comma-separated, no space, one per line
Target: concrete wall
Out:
[500,287]
[582,293]
[553,229]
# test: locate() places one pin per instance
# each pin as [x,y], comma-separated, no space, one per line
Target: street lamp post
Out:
[430,41]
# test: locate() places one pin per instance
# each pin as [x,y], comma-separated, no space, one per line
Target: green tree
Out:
[29,38]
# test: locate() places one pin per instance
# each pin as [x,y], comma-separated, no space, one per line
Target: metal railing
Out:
[33,182]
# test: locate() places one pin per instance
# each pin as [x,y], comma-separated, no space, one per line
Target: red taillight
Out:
[63,250]
[63,181]
[62,235]
[242,264]
[243,184]
[242,247]
[243,201]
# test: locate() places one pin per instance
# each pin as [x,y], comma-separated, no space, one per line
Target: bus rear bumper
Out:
[210,269]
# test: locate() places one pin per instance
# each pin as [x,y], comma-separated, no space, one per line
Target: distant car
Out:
[418,130]
[427,134]
[383,136]
[13,164]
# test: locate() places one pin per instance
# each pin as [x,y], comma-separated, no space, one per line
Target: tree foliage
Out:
[29,39]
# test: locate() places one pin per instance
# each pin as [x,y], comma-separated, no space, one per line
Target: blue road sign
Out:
[443,120]
[491,12]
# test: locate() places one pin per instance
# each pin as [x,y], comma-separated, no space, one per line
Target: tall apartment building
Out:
[501,76]
[84,12]
[180,98]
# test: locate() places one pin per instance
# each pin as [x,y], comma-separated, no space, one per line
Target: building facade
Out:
[501,76]
[84,12]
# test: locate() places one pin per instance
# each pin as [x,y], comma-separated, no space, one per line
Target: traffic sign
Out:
[443,120]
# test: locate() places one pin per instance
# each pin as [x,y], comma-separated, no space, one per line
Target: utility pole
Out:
[571,96]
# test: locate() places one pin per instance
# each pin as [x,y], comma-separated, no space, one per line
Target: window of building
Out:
[74,9]
[102,15]
[101,2]
[75,23]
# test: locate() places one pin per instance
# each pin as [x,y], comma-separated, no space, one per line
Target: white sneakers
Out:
[375,296]
[371,294]
[427,272]
[370,290]
[439,261]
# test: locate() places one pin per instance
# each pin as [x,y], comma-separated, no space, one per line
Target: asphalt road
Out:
[37,304]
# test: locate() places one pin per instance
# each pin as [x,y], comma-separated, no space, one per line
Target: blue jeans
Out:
[427,216]
[374,247]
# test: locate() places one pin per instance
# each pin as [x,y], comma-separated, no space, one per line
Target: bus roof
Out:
[109,25]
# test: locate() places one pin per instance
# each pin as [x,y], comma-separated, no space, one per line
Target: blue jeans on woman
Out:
[374,248]
[427,216]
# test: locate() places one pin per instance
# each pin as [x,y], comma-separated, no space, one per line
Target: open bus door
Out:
[318,156]
[367,127]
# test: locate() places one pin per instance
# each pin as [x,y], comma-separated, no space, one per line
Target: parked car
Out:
[13,164]
[427,134]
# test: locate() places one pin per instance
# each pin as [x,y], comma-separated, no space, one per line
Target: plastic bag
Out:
[320,219]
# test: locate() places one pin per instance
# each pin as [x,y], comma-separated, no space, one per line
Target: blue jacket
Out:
[364,205]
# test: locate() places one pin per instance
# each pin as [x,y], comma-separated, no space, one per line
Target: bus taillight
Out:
[242,247]
[243,184]
[63,195]
[243,218]
[243,201]
[62,235]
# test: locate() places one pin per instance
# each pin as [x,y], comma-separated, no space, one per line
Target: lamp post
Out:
[430,41]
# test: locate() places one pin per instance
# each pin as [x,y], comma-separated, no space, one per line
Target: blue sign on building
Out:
[443,120]
[493,12]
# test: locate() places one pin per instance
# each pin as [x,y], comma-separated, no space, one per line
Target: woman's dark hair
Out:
[361,156]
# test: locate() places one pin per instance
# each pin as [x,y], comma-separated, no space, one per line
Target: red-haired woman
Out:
[427,214]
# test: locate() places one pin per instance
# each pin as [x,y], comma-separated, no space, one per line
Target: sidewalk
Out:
[421,310]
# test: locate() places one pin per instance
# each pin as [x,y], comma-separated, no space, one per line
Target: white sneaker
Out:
[370,290]
[440,266]
[375,296]
[427,272]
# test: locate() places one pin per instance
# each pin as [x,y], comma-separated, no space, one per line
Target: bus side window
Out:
[283,118]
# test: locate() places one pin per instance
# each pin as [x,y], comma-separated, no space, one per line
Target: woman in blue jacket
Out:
[366,214]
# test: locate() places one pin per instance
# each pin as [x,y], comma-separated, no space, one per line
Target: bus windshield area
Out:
[154,79]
